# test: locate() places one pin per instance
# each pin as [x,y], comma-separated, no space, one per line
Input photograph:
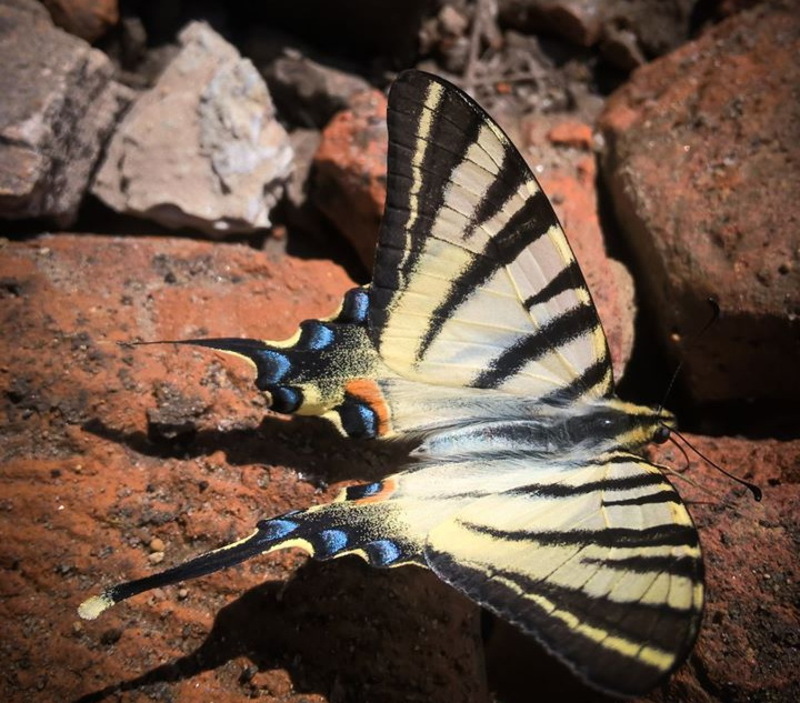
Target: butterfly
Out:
[478,340]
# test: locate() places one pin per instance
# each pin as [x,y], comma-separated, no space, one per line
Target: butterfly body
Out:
[479,342]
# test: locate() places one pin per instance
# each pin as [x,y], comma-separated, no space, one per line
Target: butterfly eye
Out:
[661,434]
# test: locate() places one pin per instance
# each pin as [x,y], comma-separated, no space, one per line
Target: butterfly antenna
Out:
[715,313]
[670,433]
[680,449]
[755,490]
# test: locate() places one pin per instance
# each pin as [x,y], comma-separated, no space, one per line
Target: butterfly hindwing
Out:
[602,566]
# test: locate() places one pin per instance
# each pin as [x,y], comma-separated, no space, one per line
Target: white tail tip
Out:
[92,607]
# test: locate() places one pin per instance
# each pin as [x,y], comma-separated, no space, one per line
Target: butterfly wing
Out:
[602,567]
[474,281]
[474,287]
[598,560]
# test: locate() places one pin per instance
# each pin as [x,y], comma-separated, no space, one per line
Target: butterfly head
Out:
[666,422]
[635,426]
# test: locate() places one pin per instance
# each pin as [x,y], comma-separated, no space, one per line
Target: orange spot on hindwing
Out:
[365,412]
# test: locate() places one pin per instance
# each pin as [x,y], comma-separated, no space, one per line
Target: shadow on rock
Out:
[344,630]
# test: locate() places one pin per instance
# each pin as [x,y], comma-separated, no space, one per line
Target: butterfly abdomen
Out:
[546,431]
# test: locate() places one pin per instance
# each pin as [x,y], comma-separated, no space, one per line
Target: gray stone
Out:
[309,92]
[202,148]
[628,31]
[59,105]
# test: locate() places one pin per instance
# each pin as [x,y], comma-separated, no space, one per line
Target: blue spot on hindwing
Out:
[277,528]
[272,367]
[316,336]
[382,552]
[358,419]
[355,307]
[285,399]
[330,543]
[364,490]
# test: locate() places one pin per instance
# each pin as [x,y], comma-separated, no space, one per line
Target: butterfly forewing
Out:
[475,283]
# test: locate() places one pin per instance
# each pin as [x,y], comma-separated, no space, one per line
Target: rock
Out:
[577,21]
[58,108]
[628,32]
[571,133]
[620,47]
[300,212]
[747,646]
[701,163]
[87,19]
[202,149]
[307,93]
[87,492]
[350,181]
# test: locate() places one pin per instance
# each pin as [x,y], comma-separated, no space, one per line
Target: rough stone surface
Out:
[350,180]
[701,159]
[307,93]
[202,149]
[87,19]
[113,459]
[300,211]
[628,31]
[58,106]
[748,646]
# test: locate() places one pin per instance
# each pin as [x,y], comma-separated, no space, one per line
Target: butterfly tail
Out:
[329,368]
[356,523]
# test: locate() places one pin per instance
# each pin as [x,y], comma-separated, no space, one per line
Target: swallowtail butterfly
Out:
[478,338]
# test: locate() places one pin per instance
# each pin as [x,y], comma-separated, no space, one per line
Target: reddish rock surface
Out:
[748,646]
[117,460]
[350,182]
[87,19]
[701,161]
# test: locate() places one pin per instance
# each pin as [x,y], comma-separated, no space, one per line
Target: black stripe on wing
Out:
[525,226]
[563,490]
[433,133]
[560,619]
[561,330]
[569,277]
[622,537]
[597,375]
